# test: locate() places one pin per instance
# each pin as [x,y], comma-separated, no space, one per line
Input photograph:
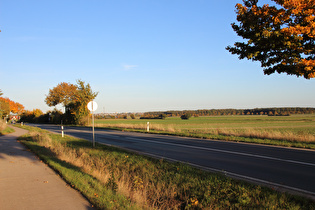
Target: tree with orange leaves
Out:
[14,107]
[74,98]
[63,93]
[281,37]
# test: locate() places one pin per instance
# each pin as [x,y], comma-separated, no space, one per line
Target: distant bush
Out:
[160,116]
[185,116]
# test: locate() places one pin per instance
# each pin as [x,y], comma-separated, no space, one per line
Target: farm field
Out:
[294,130]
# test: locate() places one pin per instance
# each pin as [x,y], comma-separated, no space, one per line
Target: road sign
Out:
[92,106]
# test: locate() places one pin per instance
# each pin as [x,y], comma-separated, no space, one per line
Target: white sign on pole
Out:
[92,106]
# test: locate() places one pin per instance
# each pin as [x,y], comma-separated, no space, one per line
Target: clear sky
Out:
[140,55]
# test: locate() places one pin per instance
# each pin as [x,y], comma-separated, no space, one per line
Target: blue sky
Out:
[140,55]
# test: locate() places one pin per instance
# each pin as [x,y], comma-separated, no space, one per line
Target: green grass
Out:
[7,130]
[112,178]
[291,131]
[43,144]
[4,129]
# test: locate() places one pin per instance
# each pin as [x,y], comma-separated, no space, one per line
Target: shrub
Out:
[185,116]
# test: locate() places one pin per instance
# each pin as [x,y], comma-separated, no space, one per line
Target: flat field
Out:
[282,130]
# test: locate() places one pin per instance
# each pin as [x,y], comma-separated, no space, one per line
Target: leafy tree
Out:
[63,93]
[281,37]
[4,108]
[37,112]
[83,96]
[74,98]
[11,106]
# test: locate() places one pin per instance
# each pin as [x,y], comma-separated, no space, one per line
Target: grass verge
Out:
[4,129]
[111,178]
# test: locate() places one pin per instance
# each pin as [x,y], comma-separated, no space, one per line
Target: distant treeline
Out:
[215,112]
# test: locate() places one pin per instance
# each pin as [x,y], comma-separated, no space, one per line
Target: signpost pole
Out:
[93,128]
[92,106]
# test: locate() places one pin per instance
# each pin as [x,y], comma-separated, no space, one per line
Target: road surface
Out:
[283,168]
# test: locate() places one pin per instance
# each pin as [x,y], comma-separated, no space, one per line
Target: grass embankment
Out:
[112,178]
[290,131]
[4,129]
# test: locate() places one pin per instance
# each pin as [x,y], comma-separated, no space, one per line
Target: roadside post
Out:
[148,126]
[62,134]
[92,106]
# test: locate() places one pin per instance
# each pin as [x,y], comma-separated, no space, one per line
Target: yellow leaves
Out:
[281,30]
[299,30]
[307,67]
[309,62]
[240,9]
[299,6]
[15,107]
[62,93]
[193,203]
[304,11]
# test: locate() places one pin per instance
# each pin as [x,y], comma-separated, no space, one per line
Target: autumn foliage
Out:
[281,37]
[74,98]
[8,106]
[63,93]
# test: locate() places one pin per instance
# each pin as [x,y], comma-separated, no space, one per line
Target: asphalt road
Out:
[283,168]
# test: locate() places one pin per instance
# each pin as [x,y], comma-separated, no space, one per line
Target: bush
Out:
[156,117]
[185,116]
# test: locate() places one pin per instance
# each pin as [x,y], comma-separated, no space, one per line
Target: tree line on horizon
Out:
[285,111]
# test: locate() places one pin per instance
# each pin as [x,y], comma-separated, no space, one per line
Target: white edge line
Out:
[225,151]
[238,176]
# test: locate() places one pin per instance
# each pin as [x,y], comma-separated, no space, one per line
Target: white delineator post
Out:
[62,134]
[148,126]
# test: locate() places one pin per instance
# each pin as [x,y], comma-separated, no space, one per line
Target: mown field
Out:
[294,131]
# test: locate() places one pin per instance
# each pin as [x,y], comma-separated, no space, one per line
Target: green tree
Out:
[83,96]
[281,37]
